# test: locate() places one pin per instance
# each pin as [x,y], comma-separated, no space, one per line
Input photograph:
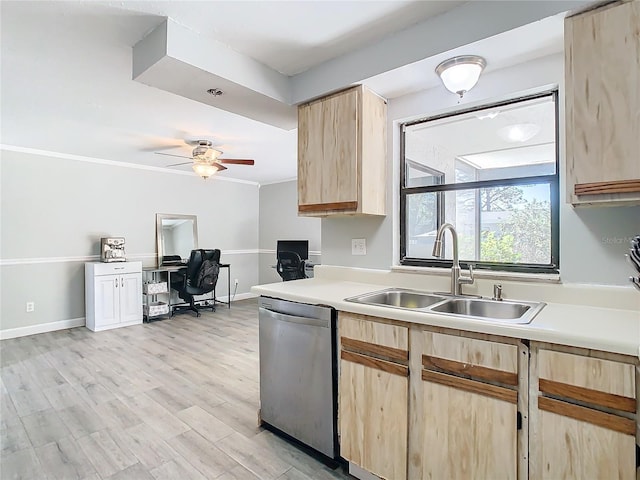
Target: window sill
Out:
[483,274]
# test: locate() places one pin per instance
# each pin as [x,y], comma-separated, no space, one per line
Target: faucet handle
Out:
[497,292]
[467,280]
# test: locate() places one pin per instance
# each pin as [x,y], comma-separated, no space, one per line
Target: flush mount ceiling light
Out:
[460,74]
[519,132]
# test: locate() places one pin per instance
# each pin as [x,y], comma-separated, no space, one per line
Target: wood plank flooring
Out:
[172,399]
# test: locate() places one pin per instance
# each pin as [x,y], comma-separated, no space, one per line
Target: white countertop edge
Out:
[597,328]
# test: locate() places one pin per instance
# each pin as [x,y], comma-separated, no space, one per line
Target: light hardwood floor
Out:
[172,399]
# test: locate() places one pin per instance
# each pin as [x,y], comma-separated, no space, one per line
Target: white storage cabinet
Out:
[113,295]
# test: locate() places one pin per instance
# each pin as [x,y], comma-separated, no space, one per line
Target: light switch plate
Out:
[358,246]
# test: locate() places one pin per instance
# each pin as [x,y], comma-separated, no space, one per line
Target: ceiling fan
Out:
[206,159]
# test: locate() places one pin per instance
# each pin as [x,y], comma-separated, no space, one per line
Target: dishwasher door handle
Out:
[284,317]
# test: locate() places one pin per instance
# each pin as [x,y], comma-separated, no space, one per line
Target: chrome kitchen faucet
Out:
[457,280]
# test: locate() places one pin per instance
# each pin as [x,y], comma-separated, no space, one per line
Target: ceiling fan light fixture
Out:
[460,74]
[205,170]
[204,153]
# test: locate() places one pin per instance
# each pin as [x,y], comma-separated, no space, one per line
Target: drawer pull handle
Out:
[589,415]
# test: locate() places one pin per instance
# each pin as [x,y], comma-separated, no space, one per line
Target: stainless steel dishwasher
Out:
[298,372]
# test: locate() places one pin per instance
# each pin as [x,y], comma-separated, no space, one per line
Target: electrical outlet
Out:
[358,246]
[236,282]
[31,306]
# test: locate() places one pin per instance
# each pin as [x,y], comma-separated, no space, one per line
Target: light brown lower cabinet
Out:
[373,400]
[583,414]
[421,402]
[464,422]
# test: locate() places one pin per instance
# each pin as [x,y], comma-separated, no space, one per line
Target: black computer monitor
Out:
[301,247]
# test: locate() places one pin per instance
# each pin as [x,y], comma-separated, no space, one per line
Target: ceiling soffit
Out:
[178,60]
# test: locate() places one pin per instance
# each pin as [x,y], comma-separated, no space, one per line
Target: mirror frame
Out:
[171,216]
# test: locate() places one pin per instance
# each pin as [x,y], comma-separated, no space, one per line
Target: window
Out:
[492,172]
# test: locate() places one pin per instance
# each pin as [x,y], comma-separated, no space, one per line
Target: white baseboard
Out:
[78,322]
[360,473]
[41,328]
[239,296]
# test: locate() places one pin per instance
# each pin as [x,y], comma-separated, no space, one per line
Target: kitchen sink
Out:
[398,298]
[516,312]
[489,309]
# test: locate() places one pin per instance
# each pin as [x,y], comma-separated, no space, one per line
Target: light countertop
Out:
[587,326]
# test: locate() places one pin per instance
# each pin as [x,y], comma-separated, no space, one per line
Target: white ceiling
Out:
[66,69]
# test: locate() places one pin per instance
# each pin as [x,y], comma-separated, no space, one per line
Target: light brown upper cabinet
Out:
[342,153]
[602,82]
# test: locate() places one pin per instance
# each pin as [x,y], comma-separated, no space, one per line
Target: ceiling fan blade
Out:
[219,166]
[236,161]
[160,147]
[176,164]
[171,155]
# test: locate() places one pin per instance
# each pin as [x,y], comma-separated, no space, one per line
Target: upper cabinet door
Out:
[602,82]
[342,153]
[310,148]
[328,153]
[340,147]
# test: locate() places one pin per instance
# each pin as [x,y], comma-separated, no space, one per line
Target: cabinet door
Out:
[373,394]
[467,434]
[464,417]
[602,49]
[341,149]
[310,153]
[373,418]
[576,449]
[582,409]
[328,149]
[107,300]
[130,290]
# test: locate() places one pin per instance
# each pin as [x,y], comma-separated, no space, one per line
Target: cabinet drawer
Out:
[470,351]
[587,372]
[116,268]
[367,329]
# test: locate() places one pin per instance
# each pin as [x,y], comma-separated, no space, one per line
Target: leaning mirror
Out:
[177,235]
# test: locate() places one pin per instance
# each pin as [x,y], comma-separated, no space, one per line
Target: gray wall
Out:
[592,240]
[55,210]
[279,221]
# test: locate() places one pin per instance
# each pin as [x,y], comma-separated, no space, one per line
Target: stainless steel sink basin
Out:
[516,312]
[398,298]
[488,309]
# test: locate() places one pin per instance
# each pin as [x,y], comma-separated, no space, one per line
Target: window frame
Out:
[552,180]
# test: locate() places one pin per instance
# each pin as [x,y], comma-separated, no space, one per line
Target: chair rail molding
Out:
[93,258]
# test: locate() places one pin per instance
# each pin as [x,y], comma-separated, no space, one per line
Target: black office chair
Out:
[290,266]
[194,283]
